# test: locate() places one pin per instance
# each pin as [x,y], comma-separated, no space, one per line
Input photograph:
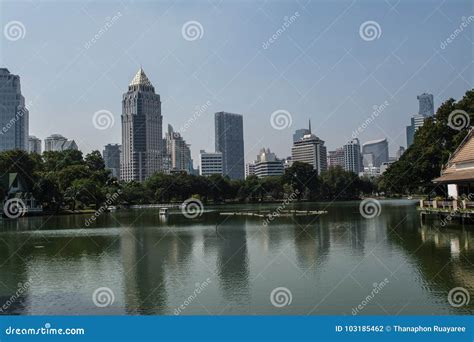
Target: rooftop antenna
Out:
[309,126]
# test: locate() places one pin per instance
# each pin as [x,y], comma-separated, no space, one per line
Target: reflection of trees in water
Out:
[312,243]
[444,256]
[146,256]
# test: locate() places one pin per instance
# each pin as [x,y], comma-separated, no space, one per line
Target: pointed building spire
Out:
[141,78]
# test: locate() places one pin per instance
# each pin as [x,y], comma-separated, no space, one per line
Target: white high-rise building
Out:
[142,138]
[352,156]
[267,164]
[178,151]
[210,163]
[34,144]
[58,143]
[14,116]
[311,150]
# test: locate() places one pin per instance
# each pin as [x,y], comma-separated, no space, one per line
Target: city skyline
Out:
[342,75]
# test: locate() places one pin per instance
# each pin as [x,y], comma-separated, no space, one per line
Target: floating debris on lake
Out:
[281,213]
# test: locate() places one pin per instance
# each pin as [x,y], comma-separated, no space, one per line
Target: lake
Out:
[136,262]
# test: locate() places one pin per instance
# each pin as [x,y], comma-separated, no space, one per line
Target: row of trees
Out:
[434,142]
[68,179]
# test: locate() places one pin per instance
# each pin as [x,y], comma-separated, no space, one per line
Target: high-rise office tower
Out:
[425,104]
[34,144]
[352,156]
[229,138]
[210,163]
[142,137]
[311,150]
[336,158]
[111,155]
[178,151]
[14,116]
[375,152]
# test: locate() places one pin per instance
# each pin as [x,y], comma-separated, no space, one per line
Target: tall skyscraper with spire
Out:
[142,141]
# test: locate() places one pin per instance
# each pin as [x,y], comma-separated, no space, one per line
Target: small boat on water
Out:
[163,211]
[112,208]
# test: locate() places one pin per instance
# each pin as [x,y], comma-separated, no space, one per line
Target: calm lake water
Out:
[216,265]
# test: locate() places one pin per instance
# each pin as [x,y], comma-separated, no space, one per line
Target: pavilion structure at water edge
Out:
[458,172]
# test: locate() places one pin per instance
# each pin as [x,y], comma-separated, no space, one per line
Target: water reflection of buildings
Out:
[232,260]
[312,245]
[147,255]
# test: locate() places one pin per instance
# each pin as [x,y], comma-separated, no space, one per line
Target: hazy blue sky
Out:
[319,68]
